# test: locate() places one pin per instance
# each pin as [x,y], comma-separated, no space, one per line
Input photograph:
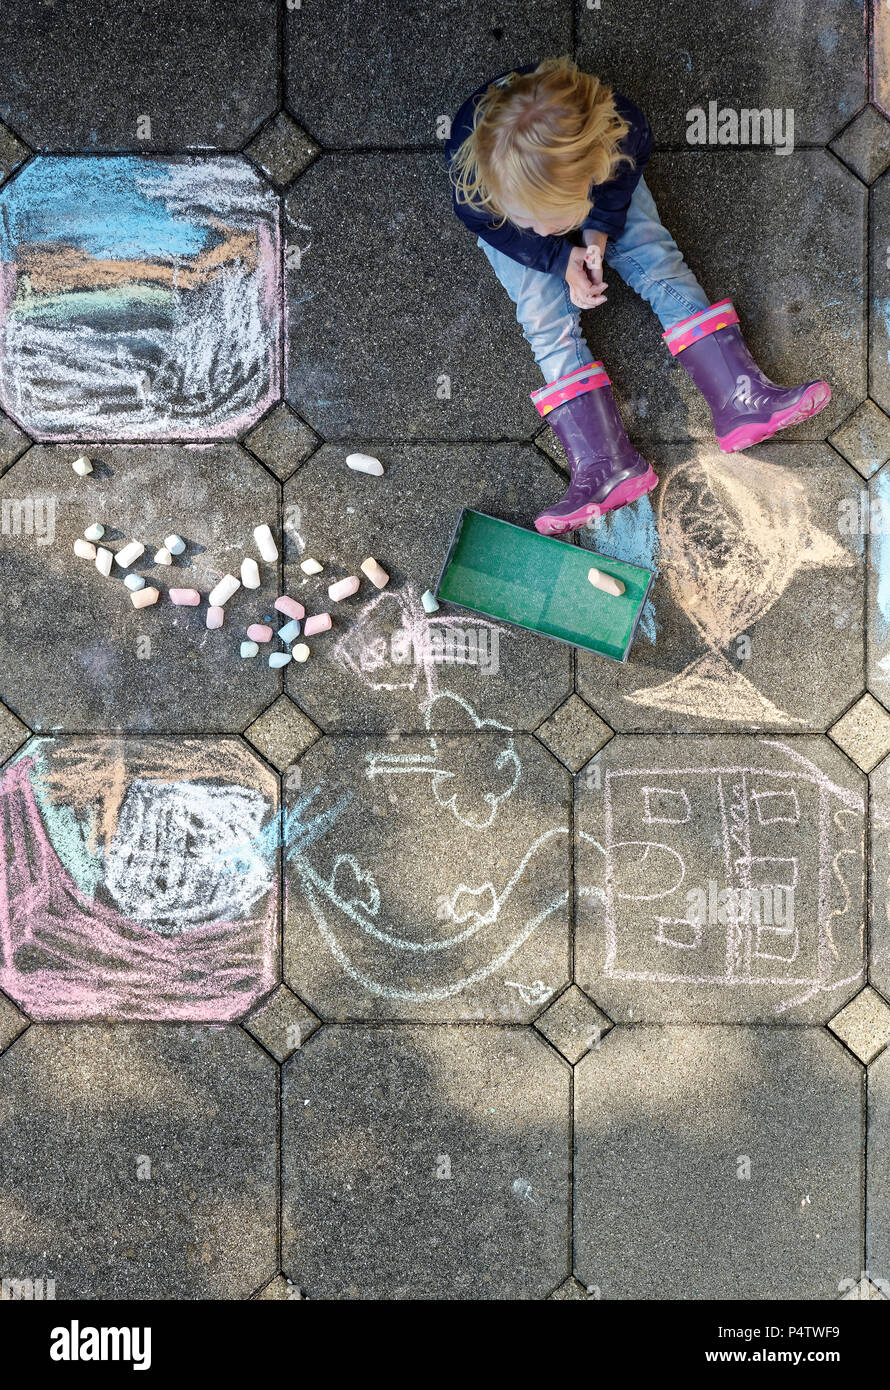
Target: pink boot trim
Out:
[716,316]
[565,387]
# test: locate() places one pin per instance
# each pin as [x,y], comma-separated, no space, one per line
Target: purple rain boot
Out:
[747,407]
[606,469]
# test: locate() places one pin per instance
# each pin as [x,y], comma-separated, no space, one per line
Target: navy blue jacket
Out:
[610,200]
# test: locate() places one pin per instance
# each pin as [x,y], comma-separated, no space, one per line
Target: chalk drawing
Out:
[139,297]
[821,950]
[120,893]
[733,536]
[631,534]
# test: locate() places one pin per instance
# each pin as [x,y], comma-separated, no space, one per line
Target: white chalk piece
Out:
[607,582]
[175,544]
[103,561]
[223,591]
[94,532]
[300,652]
[344,588]
[311,566]
[365,463]
[430,602]
[82,466]
[289,631]
[134,582]
[84,550]
[215,616]
[265,543]
[144,598]
[163,556]
[129,553]
[279,659]
[250,573]
[376,573]
[185,598]
[248,649]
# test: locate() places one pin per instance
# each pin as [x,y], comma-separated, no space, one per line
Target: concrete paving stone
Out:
[74,653]
[755,620]
[282,733]
[749,55]
[139,1163]
[13,733]
[425,1163]
[142,879]
[864,439]
[720,880]
[864,733]
[142,298]
[282,1024]
[13,442]
[733,216]
[877,1255]
[865,144]
[864,1291]
[282,149]
[880,56]
[12,1022]
[570,1290]
[864,1024]
[574,733]
[879,879]
[427,878]
[386,663]
[879,294]
[279,1288]
[753,1195]
[875,521]
[573,1024]
[397,326]
[86,75]
[12,152]
[354,78]
[282,441]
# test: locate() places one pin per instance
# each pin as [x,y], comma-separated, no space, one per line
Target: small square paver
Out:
[864,732]
[282,1024]
[282,733]
[864,439]
[278,1289]
[865,144]
[12,151]
[865,1291]
[282,149]
[573,1024]
[13,733]
[282,441]
[12,1022]
[13,442]
[864,1024]
[574,733]
[572,1290]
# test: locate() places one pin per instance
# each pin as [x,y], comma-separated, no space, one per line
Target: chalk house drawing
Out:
[138,879]
[649,835]
[139,297]
[486,886]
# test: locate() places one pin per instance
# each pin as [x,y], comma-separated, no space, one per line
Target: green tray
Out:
[537,582]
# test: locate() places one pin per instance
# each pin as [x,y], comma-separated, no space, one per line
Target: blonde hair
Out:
[540,141]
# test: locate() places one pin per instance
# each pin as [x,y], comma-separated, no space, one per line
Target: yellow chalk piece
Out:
[606,582]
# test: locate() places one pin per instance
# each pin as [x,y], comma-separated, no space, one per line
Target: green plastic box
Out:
[540,583]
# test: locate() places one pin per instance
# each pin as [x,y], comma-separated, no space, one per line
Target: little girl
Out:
[548,151]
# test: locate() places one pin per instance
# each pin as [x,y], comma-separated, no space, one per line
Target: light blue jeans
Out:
[645,256]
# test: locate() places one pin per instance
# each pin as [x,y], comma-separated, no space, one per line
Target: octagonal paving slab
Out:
[720,880]
[89,75]
[461,42]
[427,878]
[397,327]
[139,1162]
[104,664]
[460,1193]
[875,520]
[878,1226]
[879,293]
[879,883]
[755,54]
[140,879]
[756,618]
[140,298]
[755,1194]
[386,660]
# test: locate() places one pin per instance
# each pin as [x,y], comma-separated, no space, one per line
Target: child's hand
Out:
[585,291]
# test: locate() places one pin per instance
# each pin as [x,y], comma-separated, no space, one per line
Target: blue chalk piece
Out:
[289,631]
[279,658]
[134,582]
[249,649]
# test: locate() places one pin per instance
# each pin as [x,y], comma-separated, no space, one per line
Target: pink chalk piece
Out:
[185,598]
[283,604]
[215,615]
[319,623]
[258,632]
[344,588]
